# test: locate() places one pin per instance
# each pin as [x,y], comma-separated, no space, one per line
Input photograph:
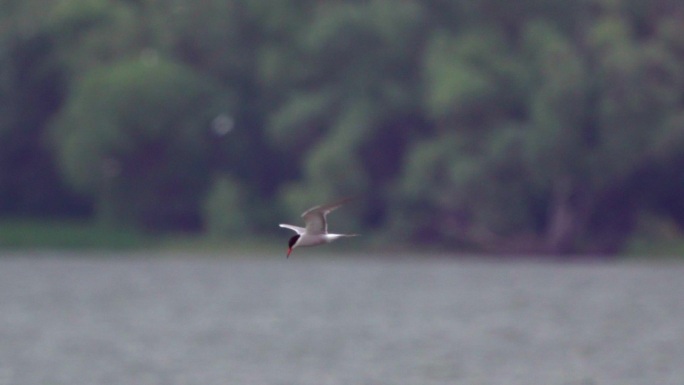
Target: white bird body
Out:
[316,231]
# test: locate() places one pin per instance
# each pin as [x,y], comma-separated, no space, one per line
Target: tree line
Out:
[544,126]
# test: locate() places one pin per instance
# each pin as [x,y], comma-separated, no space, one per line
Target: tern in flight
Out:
[316,231]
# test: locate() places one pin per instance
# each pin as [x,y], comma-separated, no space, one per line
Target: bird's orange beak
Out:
[289,250]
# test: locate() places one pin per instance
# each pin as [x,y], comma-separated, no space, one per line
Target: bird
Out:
[316,231]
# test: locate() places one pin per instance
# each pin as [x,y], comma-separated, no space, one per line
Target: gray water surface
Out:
[82,320]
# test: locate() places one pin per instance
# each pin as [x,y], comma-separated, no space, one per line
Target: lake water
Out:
[184,319]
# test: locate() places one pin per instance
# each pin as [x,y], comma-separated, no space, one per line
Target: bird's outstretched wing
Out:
[315,216]
[297,229]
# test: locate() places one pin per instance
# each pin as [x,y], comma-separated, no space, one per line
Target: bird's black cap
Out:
[293,240]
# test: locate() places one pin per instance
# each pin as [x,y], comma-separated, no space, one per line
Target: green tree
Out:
[547,131]
[227,213]
[353,106]
[134,136]
[32,88]
[94,33]
[245,47]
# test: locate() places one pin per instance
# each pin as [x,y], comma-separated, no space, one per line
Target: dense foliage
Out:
[550,126]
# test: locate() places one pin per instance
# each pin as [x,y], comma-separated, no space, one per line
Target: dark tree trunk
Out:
[567,216]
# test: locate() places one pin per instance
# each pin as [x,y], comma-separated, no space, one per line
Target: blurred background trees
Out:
[535,126]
